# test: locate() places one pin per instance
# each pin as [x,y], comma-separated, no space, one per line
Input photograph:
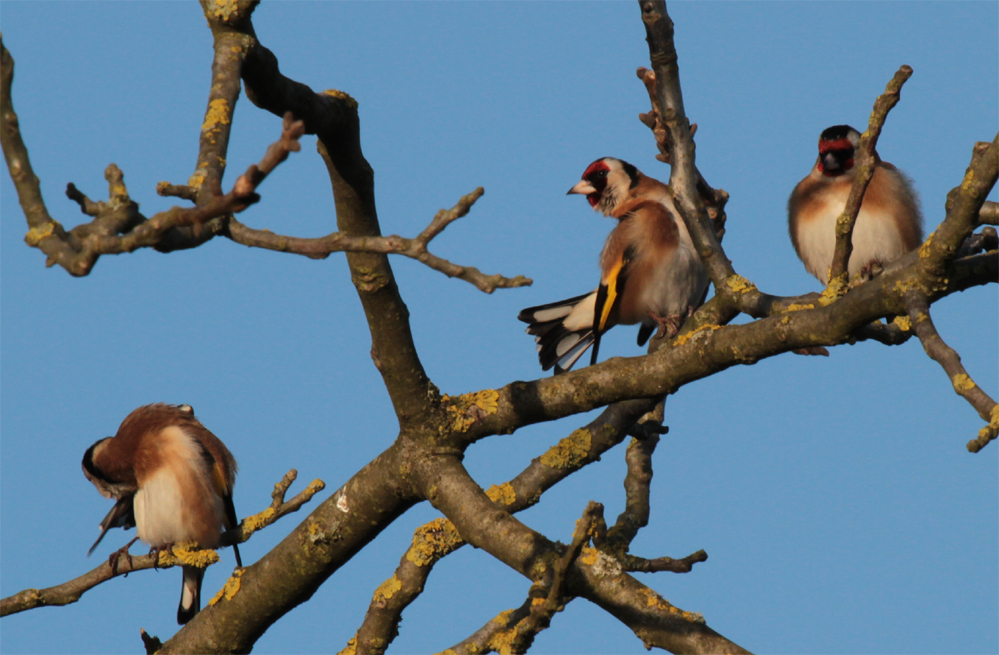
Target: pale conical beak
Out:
[582,187]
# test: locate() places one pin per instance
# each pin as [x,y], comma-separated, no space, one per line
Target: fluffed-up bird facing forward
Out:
[172,479]
[650,272]
[889,223]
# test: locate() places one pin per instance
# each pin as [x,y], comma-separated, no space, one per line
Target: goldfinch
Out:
[889,223]
[172,479]
[649,274]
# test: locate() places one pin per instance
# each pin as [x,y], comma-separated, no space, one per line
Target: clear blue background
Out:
[835,497]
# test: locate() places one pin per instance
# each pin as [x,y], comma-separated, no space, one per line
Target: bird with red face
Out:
[173,480]
[889,223]
[650,273]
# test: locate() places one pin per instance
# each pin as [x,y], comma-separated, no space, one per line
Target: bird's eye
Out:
[600,174]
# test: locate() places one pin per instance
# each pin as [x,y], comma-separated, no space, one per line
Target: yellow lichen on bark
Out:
[502,494]
[350,648]
[570,451]
[188,554]
[253,523]
[684,338]
[387,589]
[796,307]
[231,587]
[433,540]
[739,284]
[655,600]
[217,114]
[341,95]
[36,234]
[836,288]
[467,408]
[903,322]
[962,383]
[225,8]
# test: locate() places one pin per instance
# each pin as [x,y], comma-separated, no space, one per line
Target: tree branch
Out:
[415,248]
[950,361]
[683,173]
[866,162]
[595,576]
[73,590]
[437,539]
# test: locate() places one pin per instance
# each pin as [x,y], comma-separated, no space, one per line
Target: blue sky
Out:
[835,498]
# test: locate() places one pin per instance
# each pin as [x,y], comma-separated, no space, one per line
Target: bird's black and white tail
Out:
[190,594]
[561,345]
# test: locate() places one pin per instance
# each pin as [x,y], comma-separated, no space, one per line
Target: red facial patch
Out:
[598,165]
[839,144]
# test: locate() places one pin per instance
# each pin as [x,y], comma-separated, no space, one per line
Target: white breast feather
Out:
[166,500]
[875,238]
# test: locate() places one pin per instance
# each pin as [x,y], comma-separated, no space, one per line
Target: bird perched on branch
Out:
[172,479]
[650,271]
[889,223]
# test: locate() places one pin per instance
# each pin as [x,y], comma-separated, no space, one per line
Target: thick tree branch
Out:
[866,159]
[291,572]
[73,590]
[713,348]
[595,576]
[435,540]
[950,361]
[333,117]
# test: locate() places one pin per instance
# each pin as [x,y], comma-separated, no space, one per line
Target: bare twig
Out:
[71,591]
[414,248]
[149,642]
[177,191]
[714,199]
[866,162]
[637,484]
[684,177]
[87,206]
[947,357]
[642,565]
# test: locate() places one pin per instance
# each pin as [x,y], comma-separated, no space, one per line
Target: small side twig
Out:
[637,485]
[278,509]
[642,565]
[177,191]
[87,206]
[151,643]
[866,159]
[714,199]
[947,357]
[414,248]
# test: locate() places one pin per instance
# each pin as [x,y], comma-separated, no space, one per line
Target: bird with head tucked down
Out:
[889,223]
[172,479]
[650,272]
